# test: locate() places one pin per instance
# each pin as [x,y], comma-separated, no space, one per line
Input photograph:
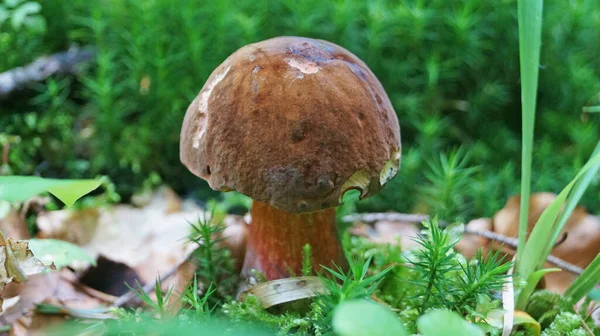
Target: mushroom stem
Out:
[276,240]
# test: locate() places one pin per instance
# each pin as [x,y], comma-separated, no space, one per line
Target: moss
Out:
[566,324]
[449,76]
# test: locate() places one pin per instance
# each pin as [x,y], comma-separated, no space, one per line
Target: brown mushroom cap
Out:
[292,122]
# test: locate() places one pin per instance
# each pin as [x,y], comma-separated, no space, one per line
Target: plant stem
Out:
[276,241]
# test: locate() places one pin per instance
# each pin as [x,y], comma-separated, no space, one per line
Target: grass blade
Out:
[539,244]
[530,31]
[586,281]
[578,190]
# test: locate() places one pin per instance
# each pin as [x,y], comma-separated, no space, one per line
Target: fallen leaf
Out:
[152,240]
[35,324]
[179,283]
[58,253]
[16,263]
[580,247]
[280,291]
[469,244]
[388,232]
[59,286]
[11,222]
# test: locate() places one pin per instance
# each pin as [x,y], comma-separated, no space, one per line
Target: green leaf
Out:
[447,323]
[21,188]
[366,318]
[586,281]
[59,252]
[578,189]
[530,41]
[537,247]
[522,318]
[532,281]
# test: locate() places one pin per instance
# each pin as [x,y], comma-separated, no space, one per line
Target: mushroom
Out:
[293,123]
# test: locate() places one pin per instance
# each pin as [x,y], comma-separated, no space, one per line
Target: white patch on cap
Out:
[303,66]
[203,106]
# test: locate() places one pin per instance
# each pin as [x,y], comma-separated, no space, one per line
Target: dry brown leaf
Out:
[35,324]
[60,286]
[16,263]
[151,240]
[469,244]
[179,282]
[13,224]
[388,232]
[580,247]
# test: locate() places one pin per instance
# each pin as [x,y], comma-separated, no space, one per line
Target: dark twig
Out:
[386,216]
[67,62]
[418,218]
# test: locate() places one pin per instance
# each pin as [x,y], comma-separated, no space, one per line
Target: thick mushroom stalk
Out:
[277,238]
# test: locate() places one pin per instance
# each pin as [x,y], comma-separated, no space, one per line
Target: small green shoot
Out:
[215,264]
[197,303]
[355,284]
[307,267]
[433,261]
[162,298]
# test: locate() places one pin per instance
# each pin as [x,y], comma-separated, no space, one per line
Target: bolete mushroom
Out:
[293,123]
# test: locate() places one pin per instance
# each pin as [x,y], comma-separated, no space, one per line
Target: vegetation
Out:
[453,88]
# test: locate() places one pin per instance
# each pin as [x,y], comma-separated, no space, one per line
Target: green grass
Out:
[530,34]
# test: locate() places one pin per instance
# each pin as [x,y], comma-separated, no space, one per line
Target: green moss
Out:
[566,324]
[450,69]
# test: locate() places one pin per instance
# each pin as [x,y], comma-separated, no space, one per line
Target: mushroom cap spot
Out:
[305,66]
[319,124]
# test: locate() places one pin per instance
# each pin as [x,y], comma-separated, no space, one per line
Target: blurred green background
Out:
[450,67]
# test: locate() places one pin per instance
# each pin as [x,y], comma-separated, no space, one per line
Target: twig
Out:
[512,242]
[418,218]
[67,62]
[147,288]
[385,216]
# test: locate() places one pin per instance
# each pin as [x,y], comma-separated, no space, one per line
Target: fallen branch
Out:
[418,218]
[385,216]
[67,62]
